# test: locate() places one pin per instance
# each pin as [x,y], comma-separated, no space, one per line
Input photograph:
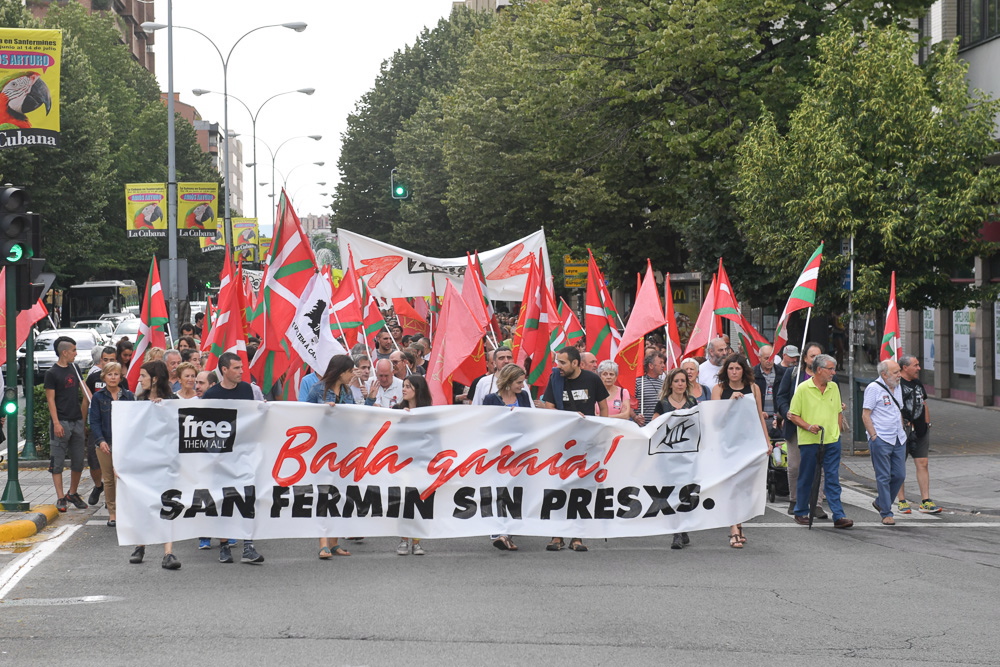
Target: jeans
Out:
[808,455]
[889,461]
[793,469]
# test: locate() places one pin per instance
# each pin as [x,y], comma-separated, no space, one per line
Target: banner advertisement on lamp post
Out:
[29,81]
[245,234]
[197,205]
[264,243]
[212,243]
[145,210]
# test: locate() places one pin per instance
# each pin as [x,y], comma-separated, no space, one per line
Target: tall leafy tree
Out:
[883,150]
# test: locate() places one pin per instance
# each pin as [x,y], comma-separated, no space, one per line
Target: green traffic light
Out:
[400,191]
[16,253]
[10,408]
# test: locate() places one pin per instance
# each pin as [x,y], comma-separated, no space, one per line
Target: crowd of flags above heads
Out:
[295,291]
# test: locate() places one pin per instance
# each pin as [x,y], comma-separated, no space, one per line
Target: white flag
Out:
[310,333]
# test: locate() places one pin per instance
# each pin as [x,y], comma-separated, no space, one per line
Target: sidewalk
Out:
[37,489]
[964,458]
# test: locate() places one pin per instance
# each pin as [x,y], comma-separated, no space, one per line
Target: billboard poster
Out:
[212,243]
[264,242]
[145,210]
[963,335]
[928,337]
[29,83]
[196,209]
[245,233]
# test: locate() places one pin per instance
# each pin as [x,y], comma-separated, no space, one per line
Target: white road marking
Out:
[875,524]
[50,602]
[17,570]
[855,499]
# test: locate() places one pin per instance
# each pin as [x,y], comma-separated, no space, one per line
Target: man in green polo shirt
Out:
[816,405]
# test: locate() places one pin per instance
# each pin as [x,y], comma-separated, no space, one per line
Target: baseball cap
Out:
[792,351]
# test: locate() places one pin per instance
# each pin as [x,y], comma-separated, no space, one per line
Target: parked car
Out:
[45,356]
[116,318]
[103,327]
[129,328]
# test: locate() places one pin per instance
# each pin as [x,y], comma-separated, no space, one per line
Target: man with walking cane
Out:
[816,411]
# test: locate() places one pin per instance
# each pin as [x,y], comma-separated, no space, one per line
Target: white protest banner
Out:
[310,333]
[243,469]
[390,271]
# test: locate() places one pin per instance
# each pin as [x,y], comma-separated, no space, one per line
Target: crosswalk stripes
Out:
[854,500]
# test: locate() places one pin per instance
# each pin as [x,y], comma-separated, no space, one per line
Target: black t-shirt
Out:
[581,394]
[914,396]
[241,392]
[94,382]
[66,383]
[663,406]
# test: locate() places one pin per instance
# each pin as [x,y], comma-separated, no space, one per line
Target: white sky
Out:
[339,55]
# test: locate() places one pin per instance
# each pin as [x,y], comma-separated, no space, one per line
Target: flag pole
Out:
[802,352]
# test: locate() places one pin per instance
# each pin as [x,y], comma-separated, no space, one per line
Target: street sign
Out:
[574,272]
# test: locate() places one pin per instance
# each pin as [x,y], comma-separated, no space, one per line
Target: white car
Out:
[128,328]
[104,328]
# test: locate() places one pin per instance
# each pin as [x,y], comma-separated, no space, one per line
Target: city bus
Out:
[90,300]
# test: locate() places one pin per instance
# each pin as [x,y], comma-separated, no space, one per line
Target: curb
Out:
[32,523]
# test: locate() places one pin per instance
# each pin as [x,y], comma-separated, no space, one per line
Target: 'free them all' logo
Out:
[206,430]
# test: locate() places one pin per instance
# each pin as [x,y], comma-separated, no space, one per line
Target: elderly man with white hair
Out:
[883,418]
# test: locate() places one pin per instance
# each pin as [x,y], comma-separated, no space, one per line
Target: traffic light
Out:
[15,225]
[9,406]
[399,188]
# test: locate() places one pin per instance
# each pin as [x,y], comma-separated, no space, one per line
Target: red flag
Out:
[647,315]
[526,328]
[571,325]
[601,317]
[421,308]
[25,318]
[706,327]
[803,296]
[434,307]
[673,335]
[549,339]
[458,338]
[891,346]
[485,291]
[293,377]
[473,295]
[291,266]
[346,309]
[228,332]
[152,320]
[206,324]
[727,306]
[408,318]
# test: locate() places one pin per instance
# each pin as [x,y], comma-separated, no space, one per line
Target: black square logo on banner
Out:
[206,430]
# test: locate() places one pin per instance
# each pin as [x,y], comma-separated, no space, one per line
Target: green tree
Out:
[884,150]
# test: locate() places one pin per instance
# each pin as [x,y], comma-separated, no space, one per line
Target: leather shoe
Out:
[791,508]
[111,523]
[818,513]
[802,520]
[843,522]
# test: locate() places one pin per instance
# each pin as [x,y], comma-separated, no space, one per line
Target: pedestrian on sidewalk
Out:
[918,421]
[100,426]
[883,418]
[62,393]
[816,410]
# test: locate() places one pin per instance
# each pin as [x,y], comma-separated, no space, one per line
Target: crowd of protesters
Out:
[805,411]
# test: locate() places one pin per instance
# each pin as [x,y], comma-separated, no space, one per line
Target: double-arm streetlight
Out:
[297,26]
[253,125]
[274,157]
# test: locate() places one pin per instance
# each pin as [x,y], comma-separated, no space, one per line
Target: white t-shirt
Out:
[486,386]
[708,374]
[386,398]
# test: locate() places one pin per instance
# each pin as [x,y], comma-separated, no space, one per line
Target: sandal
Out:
[734,541]
[743,539]
[577,545]
[888,521]
[555,545]
[324,553]
[341,551]
[503,543]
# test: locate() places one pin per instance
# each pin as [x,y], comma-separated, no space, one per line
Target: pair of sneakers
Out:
[63,503]
[250,554]
[926,507]
[403,548]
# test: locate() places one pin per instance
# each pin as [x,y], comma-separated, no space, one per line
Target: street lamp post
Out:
[297,26]
[274,157]
[284,183]
[253,125]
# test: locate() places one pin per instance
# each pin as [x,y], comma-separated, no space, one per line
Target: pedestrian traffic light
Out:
[399,188]
[9,407]
[15,225]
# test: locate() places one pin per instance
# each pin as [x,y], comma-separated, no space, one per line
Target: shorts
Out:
[918,447]
[71,443]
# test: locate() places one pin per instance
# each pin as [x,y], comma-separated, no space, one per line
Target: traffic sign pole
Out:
[13,499]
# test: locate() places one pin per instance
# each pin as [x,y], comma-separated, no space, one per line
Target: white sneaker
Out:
[417,549]
[403,549]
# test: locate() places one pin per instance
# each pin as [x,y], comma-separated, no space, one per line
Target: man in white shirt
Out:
[883,419]
[487,384]
[708,372]
[384,390]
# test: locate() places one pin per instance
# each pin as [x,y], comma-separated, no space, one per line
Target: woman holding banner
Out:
[676,395]
[154,385]
[510,389]
[416,394]
[100,426]
[334,388]
[619,400]
[736,381]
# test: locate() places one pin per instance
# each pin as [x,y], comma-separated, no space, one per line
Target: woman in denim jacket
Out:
[100,426]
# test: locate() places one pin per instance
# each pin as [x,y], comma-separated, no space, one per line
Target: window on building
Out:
[978,21]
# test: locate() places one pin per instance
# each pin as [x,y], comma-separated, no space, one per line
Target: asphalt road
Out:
[923,592]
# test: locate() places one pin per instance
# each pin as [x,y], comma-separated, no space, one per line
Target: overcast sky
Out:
[339,55]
